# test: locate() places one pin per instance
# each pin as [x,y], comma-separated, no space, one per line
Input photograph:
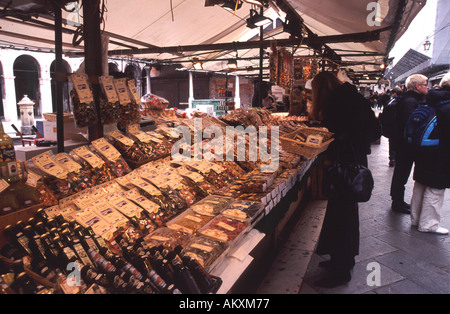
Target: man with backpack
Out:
[417,88]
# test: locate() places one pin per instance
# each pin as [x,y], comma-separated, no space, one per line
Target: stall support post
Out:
[93,58]
[59,78]
[191,89]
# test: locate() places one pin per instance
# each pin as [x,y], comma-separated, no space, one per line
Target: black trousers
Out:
[340,234]
[403,165]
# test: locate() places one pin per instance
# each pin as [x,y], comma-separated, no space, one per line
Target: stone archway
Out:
[27,74]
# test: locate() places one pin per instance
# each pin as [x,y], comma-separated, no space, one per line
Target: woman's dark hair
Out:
[322,85]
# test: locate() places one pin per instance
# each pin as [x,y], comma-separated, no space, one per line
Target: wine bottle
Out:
[183,277]
[18,239]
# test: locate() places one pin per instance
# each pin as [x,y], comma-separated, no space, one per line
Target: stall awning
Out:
[360,32]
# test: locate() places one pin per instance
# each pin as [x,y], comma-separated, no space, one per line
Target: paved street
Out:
[409,261]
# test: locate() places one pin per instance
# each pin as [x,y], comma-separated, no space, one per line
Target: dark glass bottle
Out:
[205,282]
[183,277]
[18,239]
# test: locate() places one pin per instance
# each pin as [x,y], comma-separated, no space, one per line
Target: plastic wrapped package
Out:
[131,210]
[167,237]
[92,164]
[243,210]
[53,175]
[109,102]
[162,145]
[211,171]
[189,221]
[129,111]
[211,205]
[153,106]
[205,250]
[144,142]
[129,150]
[78,179]
[153,210]
[167,180]
[224,229]
[84,110]
[147,189]
[111,156]
[196,181]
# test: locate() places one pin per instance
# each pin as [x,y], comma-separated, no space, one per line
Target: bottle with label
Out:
[8,164]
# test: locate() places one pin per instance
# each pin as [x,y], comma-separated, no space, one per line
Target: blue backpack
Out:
[421,129]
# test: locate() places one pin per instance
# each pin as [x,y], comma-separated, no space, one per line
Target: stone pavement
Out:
[409,262]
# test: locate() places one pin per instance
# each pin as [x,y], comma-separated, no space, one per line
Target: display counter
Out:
[229,216]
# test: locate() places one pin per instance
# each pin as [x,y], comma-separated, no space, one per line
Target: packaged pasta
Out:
[189,221]
[224,229]
[129,112]
[109,103]
[111,156]
[92,164]
[205,250]
[167,237]
[84,110]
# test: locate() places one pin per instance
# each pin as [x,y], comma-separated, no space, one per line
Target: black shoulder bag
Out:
[348,180]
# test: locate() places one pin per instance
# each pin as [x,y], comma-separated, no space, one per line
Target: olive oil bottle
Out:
[8,164]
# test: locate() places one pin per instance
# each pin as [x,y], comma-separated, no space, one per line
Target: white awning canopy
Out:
[359,32]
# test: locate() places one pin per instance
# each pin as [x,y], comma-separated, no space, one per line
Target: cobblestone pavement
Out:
[394,257]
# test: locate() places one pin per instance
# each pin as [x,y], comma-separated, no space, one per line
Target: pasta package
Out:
[109,103]
[84,110]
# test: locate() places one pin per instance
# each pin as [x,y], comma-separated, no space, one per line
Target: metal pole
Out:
[93,58]
[59,78]
[261,61]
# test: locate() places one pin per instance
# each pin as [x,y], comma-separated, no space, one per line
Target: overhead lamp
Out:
[257,20]
[232,5]
[259,3]
[197,64]
[232,64]
[427,45]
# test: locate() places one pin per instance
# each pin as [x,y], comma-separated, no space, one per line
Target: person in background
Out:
[432,168]
[395,96]
[417,88]
[344,111]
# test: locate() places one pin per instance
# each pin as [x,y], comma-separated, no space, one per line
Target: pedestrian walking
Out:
[417,88]
[346,113]
[432,168]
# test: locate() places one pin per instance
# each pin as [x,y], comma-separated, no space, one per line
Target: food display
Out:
[189,221]
[126,200]
[211,205]
[167,237]
[109,103]
[206,251]
[129,110]
[84,111]
[224,229]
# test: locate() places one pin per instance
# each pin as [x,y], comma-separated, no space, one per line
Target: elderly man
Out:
[417,88]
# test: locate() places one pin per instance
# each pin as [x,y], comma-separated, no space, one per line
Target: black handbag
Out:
[348,180]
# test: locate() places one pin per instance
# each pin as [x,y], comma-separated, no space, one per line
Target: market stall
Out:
[127,191]
[132,217]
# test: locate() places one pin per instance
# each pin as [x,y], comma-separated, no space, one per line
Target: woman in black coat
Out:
[432,168]
[346,113]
